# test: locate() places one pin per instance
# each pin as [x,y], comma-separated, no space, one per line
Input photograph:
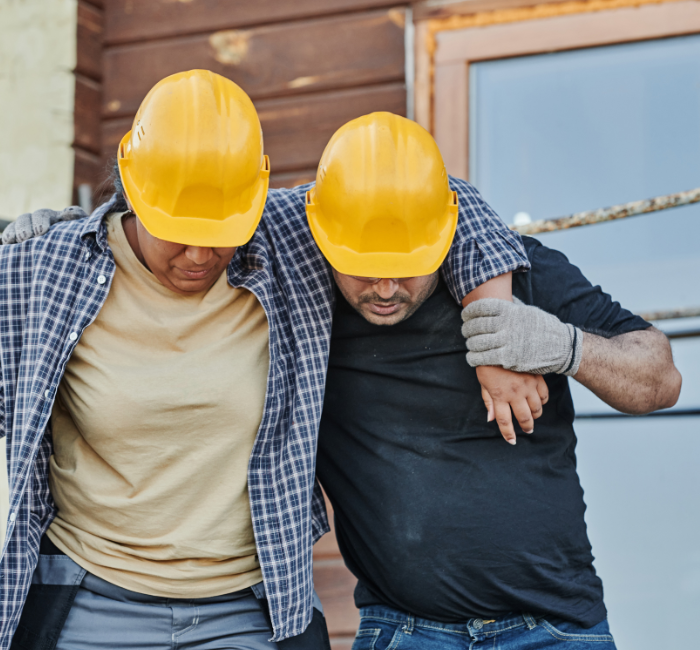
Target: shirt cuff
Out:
[482,258]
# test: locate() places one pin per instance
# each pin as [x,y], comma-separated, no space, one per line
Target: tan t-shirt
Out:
[155,420]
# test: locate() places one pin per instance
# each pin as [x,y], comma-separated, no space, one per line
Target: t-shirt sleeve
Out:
[561,289]
[483,246]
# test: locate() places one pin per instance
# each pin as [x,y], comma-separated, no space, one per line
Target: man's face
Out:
[182,269]
[386,301]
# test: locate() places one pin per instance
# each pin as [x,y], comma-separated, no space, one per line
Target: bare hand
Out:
[504,391]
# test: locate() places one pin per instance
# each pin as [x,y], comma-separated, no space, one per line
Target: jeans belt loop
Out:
[529,620]
[408,627]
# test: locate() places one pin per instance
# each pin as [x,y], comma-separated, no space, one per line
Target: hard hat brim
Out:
[421,261]
[234,230]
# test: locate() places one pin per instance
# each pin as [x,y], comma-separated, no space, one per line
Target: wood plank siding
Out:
[309,66]
[133,20]
[88,167]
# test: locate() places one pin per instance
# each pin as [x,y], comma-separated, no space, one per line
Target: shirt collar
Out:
[94,224]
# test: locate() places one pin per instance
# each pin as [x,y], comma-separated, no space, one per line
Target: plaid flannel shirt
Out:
[52,288]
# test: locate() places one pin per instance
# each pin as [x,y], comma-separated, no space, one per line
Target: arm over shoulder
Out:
[483,247]
[284,236]
[559,287]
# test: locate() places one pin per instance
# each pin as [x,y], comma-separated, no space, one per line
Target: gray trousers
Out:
[71,609]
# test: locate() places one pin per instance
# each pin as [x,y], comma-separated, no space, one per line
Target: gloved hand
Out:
[519,337]
[34,224]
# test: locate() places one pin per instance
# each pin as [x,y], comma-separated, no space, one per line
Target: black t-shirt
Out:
[435,513]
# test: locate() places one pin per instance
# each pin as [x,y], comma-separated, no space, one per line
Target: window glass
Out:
[558,133]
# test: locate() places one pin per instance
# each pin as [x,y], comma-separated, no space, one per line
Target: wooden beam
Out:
[89,169]
[526,32]
[138,20]
[292,179]
[297,129]
[89,37]
[335,585]
[433,9]
[286,59]
[86,117]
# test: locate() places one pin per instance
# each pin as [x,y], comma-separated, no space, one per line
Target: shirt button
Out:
[13,516]
[73,336]
[47,393]
[101,279]
[478,624]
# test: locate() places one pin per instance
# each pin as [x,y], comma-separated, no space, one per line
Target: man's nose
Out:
[386,287]
[198,255]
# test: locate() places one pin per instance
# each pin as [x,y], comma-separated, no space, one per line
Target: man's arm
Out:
[483,255]
[632,372]
[502,390]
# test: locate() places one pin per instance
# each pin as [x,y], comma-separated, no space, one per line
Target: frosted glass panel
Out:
[557,133]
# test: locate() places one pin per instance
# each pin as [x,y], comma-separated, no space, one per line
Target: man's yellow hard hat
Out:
[192,165]
[382,205]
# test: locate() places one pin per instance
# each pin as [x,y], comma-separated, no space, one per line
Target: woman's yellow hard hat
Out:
[382,205]
[192,165]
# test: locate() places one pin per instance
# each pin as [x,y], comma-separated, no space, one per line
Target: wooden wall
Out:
[309,66]
[88,96]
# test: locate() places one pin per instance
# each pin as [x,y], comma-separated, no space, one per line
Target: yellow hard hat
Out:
[192,165]
[382,205]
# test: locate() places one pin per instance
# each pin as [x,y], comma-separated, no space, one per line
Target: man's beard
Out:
[399,297]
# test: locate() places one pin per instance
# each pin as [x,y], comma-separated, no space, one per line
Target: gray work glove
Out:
[519,337]
[37,223]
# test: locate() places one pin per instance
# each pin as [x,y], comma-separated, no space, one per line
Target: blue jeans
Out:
[383,628]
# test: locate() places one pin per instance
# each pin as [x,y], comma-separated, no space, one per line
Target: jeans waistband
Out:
[472,625]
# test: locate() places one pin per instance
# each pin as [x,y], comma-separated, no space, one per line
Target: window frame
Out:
[447,46]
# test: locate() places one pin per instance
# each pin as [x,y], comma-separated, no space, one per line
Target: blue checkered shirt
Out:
[52,288]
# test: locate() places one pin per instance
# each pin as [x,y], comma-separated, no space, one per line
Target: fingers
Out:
[488,403]
[9,235]
[485,307]
[505,421]
[542,389]
[534,403]
[70,214]
[23,228]
[488,358]
[41,221]
[485,342]
[480,325]
[523,414]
